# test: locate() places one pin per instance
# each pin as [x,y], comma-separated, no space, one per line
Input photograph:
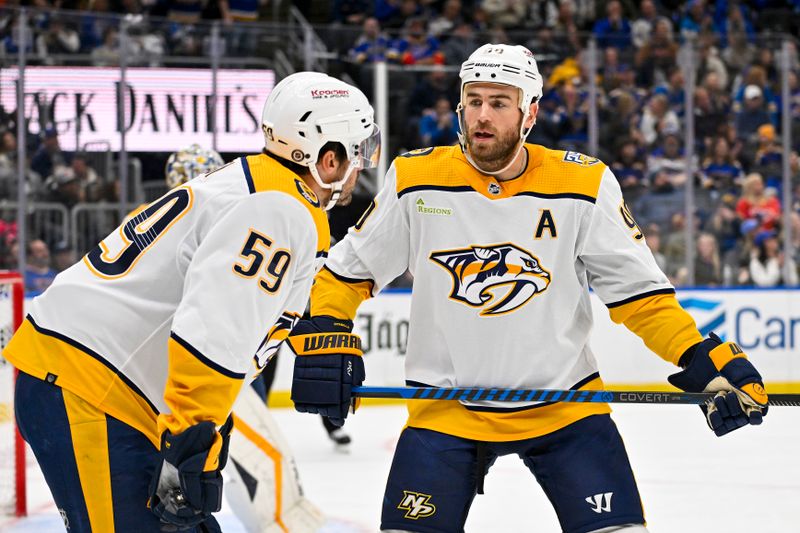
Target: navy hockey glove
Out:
[327,366]
[187,485]
[722,367]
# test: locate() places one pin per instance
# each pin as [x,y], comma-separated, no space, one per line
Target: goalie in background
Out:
[504,239]
[190,162]
[131,361]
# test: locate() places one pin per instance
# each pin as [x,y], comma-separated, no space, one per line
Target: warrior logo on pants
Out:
[600,502]
[416,505]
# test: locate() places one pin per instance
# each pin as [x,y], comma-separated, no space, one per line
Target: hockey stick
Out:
[474,394]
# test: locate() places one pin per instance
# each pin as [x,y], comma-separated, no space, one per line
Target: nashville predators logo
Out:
[498,278]
[416,505]
[275,337]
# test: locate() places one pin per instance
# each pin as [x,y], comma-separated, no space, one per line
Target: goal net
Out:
[12,447]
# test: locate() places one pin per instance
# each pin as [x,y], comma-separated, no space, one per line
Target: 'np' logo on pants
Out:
[600,502]
[416,505]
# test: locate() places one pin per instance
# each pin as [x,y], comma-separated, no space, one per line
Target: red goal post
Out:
[12,449]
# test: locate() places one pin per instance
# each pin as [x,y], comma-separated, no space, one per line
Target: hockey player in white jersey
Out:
[262,485]
[131,361]
[504,240]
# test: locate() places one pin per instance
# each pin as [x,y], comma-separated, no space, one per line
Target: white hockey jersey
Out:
[204,283]
[502,271]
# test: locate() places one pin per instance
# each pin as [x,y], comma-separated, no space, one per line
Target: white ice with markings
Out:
[690,480]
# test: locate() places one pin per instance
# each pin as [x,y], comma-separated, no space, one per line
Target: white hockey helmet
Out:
[309,109]
[505,64]
[190,162]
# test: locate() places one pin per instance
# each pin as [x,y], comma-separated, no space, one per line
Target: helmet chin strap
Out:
[462,138]
[336,191]
[336,187]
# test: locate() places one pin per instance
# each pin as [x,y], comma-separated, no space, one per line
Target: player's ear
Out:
[327,164]
[532,117]
[329,160]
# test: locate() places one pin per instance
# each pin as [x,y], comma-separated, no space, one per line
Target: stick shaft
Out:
[474,394]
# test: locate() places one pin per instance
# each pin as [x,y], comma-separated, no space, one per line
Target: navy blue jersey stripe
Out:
[248,176]
[462,188]
[568,195]
[322,253]
[435,188]
[640,297]
[350,280]
[585,380]
[205,360]
[91,353]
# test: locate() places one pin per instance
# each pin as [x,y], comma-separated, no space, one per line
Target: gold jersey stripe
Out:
[39,354]
[331,296]
[192,386]
[89,432]
[661,323]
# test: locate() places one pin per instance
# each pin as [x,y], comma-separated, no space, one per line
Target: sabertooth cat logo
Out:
[497,278]
[275,337]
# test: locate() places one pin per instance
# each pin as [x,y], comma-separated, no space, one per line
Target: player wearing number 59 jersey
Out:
[130,363]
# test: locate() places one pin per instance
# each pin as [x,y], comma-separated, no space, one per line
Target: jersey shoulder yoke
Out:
[263,174]
[436,167]
[561,173]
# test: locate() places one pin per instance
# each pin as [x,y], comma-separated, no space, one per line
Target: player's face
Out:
[331,170]
[492,119]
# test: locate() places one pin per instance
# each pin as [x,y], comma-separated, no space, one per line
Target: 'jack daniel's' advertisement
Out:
[164,108]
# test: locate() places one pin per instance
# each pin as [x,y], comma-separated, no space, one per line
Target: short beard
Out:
[497,157]
[344,198]
[346,194]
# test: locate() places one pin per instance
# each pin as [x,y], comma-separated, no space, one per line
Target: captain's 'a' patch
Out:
[580,159]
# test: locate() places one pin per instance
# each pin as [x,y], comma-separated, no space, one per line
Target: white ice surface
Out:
[690,480]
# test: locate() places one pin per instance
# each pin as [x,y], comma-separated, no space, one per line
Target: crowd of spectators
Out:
[737,158]
[156,28]
[53,178]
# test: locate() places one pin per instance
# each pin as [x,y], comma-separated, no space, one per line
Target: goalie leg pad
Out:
[262,485]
